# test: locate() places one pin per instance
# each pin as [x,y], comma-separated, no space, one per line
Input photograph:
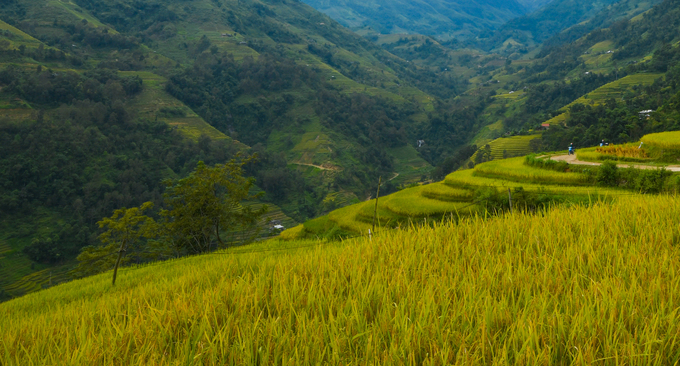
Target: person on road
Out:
[571,149]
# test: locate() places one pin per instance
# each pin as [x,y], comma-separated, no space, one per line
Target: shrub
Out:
[608,174]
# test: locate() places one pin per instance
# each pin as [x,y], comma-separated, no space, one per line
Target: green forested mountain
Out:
[576,17]
[444,19]
[100,101]
[594,88]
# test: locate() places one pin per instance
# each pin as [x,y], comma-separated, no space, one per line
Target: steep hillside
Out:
[575,17]
[100,101]
[444,19]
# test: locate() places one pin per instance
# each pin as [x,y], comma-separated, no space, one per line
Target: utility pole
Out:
[510,199]
[377,195]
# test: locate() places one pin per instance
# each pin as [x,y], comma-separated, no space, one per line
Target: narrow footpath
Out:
[571,159]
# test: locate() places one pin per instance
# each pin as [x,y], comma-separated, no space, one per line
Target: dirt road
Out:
[320,167]
[571,159]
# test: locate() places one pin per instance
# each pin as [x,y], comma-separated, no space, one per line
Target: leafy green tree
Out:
[123,230]
[206,203]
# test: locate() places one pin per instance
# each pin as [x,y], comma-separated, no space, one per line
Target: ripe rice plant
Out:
[511,146]
[346,217]
[575,285]
[423,207]
[293,233]
[664,140]
[623,151]
[467,179]
[443,192]
[514,169]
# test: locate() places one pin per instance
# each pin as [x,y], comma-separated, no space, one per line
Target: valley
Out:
[485,243]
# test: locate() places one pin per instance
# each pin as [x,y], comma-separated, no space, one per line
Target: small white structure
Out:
[421,143]
[646,113]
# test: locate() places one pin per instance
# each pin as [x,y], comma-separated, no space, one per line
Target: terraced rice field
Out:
[39,280]
[559,119]
[19,37]
[511,146]
[4,248]
[274,213]
[443,192]
[514,169]
[615,89]
[664,140]
[455,197]
[153,99]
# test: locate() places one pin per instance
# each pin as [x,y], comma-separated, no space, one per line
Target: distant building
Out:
[545,126]
[645,113]
[421,143]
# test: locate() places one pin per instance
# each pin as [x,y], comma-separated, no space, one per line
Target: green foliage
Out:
[558,166]
[123,230]
[207,202]
[647,180]
[607,174]
[454,162]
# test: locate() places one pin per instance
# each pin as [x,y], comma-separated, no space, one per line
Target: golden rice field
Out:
[511,146]
[665,140]
[514,169]
[443,192]
[581,286]
[468,179]
[454,197]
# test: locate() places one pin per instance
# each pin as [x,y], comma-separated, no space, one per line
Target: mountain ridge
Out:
[444,19]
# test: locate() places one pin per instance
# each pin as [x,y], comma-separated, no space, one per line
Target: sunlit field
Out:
[572,286]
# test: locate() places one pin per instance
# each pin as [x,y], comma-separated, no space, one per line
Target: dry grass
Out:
[623,151]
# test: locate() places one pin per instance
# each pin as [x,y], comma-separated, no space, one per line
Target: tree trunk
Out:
[120,256]
[217,232]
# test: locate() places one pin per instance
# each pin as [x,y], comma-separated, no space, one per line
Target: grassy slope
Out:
[453,196]
[616,90]
[572,286]
[153,98]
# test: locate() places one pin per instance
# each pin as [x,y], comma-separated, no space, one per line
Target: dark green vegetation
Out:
[199,210]
[559,21]
[101,101]
[444,19]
